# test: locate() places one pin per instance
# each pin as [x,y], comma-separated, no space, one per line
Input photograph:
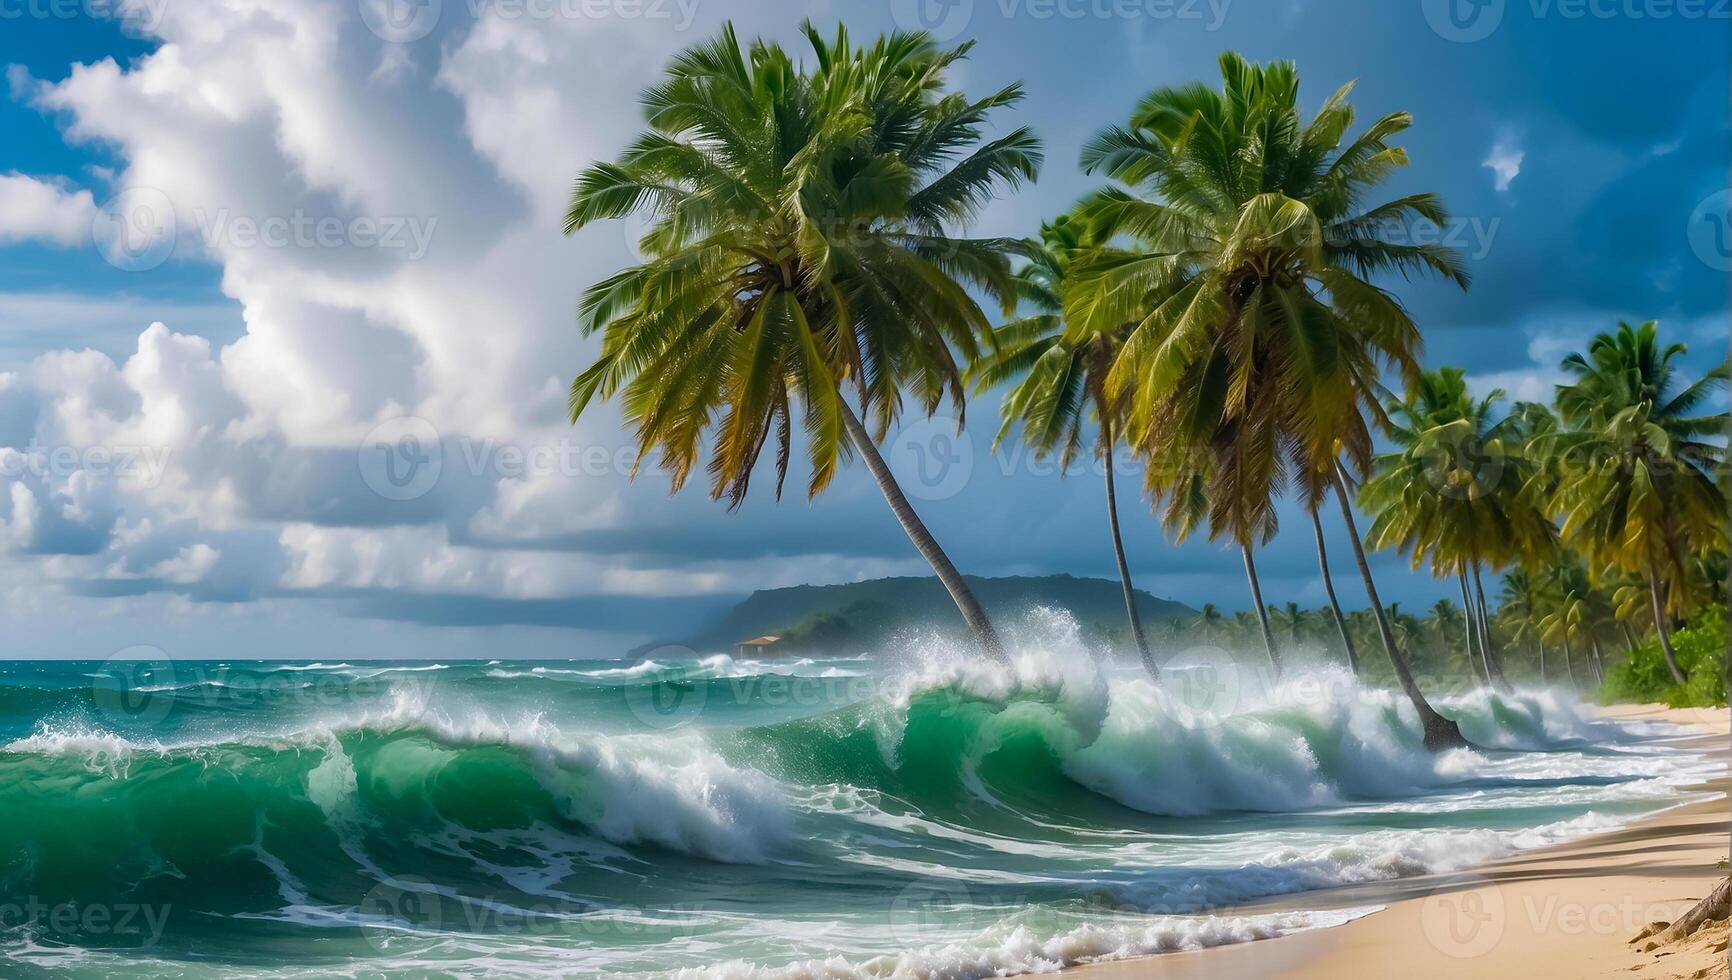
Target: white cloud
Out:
[277,109]
[191,564]
[1505,163]
[1538,381]
[38,210]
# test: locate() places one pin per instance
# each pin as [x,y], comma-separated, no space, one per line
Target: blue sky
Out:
[339,253]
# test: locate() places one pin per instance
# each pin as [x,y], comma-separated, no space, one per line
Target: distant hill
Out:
[859,615]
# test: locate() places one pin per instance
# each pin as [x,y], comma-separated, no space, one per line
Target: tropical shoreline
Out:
[1567,910]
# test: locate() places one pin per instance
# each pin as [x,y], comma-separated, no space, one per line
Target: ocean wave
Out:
[1049,781]
[122,810]
[1047,725]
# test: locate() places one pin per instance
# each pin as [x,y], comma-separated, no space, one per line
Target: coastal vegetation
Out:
[1221,308]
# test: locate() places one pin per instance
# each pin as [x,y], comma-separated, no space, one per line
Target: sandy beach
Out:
[1569,911]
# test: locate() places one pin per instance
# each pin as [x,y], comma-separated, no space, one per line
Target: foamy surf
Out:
[678,814]
[1013,947]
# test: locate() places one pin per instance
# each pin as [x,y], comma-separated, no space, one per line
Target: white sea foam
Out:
[1012,947]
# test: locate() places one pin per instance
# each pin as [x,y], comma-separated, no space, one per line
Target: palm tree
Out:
[799,246]
[1209,623]
[1444,622]
[1063,377]
[1408,627]
[1521,607]
[1185,484]
[1292,621]
[1567,613]
[1644,495]
[1329,587]
[1457,490]
[1475,638]
[1258,337]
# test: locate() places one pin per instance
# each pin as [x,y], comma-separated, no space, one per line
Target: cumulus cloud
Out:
[386,219]
[40,210]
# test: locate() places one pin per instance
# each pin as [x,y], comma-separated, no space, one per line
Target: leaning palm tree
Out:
[1062,379]
[1336,615]
[1642,495]
[799,248]
[1248,280]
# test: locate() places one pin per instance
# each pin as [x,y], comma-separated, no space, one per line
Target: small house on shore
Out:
[757,646]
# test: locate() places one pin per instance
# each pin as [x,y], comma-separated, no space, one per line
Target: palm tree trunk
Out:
[1544,680]
[1493,656]
[1440,732]
[1334,604]
[1715,906]
[960,593]
[1481,668]
[1598,661]
[1660,627]
[1629,637]
[1570,660]
[1262,610]
[1131,612]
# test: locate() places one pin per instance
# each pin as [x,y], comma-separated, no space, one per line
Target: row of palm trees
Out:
[1555,624]
[1211,307]
[1432,637]
[1606,501]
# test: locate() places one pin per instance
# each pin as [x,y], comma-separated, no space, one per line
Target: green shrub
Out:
[1701,650]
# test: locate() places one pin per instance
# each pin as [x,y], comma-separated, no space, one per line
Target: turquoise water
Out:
[907,814]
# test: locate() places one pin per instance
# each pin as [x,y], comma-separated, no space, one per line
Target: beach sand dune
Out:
[1571,912]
